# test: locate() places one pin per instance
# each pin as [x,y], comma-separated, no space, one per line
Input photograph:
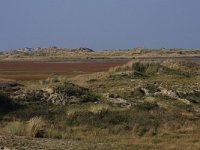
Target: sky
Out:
[99,24]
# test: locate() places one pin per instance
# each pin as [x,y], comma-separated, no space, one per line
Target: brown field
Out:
[41,70]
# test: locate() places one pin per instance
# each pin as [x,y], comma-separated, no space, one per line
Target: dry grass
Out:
[126,67]
[98,108]
[35,127]
[15,128]
[182,65]
[152,68]
[72,111]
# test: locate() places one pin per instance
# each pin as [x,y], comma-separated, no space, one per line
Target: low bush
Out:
[7,105]
[71,89]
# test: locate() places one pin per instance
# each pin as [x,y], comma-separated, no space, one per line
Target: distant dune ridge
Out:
[56,53]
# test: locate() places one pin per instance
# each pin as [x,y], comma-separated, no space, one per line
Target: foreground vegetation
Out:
[140,105]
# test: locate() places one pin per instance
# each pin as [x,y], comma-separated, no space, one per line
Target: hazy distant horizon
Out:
[102,49]
[100,25]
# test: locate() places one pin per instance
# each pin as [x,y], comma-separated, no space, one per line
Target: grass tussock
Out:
[139,68]
[151,68]
[35,127]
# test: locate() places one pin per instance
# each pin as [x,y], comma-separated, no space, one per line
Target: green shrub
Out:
[147,106]
[7,105]
[103,118]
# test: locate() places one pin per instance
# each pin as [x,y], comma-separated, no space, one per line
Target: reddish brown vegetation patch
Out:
[40,70]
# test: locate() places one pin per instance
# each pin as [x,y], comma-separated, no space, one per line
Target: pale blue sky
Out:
[100,24]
